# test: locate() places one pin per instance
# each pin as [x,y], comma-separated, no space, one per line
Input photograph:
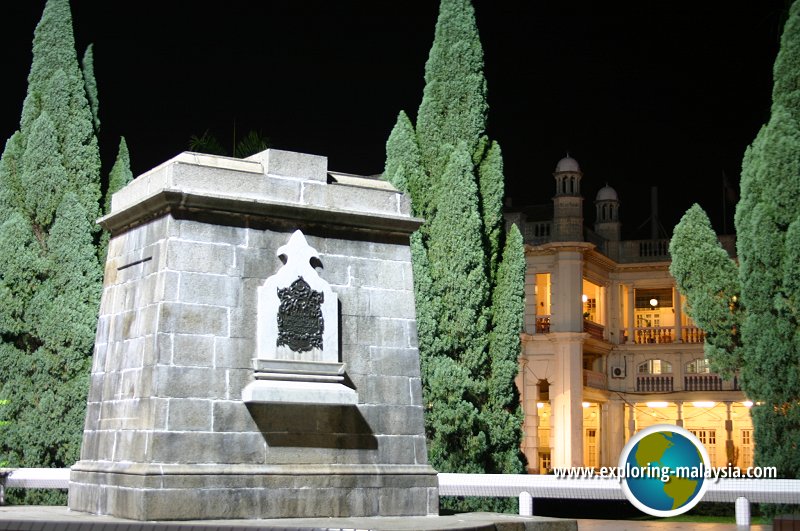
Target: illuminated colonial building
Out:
[606,347]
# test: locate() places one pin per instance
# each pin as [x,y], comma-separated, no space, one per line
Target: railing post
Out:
[526,504]
[742,513]
[3,475]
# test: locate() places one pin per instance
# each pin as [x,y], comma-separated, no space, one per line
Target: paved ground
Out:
[61,518]
[29,518]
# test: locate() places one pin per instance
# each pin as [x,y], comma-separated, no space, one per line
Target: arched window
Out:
[655,367]
[604,217]
[698,366]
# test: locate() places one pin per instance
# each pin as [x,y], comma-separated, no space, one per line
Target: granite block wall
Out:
[167,434]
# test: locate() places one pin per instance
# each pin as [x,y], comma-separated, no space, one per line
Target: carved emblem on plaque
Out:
[297,343]
[297,309]
[300,321]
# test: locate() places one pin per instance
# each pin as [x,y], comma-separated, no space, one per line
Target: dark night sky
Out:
[663,93]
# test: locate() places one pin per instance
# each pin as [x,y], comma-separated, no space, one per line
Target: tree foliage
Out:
[206,143]
[468,275]
[90,85]
[768,249]
[253,142]
[50,276]
[119,176]
[767,220]
[710,280]
[505,411]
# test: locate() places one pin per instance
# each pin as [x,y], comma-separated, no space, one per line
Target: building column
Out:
[531,442]
[566,397]
[676,304]
[631,419]
[530,302]
[602,307]
[729,448]
[533,449]
[614,313]
[567,306]
[612,431]
[679,406]
[631,323]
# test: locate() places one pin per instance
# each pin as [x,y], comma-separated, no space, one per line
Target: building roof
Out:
[607,193]
[567,164]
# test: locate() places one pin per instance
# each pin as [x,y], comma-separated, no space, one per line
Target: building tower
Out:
[607,222]
[567,333]
[568,202]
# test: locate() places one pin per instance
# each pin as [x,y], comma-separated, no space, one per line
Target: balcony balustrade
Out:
[654,384]
[654,334]
[664,334]
[642,335]
[692,334]
[595,379]
[645,250]
[702,382]
[593,329]
[542,324]
[537,232]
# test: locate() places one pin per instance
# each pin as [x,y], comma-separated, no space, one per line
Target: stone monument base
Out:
[256,352]
[174,492]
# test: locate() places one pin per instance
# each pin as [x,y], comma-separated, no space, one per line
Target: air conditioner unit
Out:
[618,371]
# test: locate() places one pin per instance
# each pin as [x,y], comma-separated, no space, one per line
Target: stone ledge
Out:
[143,469]
[295,392]
[272,176]
[166,201]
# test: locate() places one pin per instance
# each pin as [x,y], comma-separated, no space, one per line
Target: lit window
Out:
[698,366]
[655,367]
[544,461]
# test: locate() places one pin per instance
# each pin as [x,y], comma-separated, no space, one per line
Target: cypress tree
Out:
[50,277]
[468,276]
[455,381]
[453,107]
[768,249]
[490,183]
[709,279]
[404,163]
[506,415]
[90,85]
[56,84]
[767,243]
[119,176]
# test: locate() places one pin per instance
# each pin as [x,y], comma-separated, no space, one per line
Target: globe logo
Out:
[664,470]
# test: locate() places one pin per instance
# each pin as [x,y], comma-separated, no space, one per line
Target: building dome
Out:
[607,193]
[567,164]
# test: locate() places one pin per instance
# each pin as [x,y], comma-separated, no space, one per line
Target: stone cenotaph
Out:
[256,351]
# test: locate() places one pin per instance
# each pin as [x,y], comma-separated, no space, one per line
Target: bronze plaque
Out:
[300,322]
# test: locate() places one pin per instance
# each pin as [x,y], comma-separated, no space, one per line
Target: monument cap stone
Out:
[293,165]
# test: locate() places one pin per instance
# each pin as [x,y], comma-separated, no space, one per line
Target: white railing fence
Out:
[33,478]
[524,487]
[741,492]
